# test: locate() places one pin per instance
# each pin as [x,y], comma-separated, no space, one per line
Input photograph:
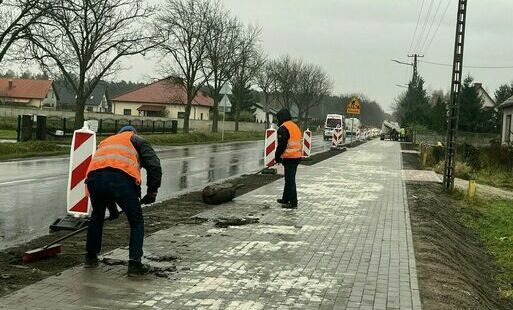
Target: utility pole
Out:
[450,148]
[415,62]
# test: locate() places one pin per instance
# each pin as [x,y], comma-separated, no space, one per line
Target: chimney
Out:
[10,84]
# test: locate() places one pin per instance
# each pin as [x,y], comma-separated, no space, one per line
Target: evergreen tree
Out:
[439,115]
[413,108]
[471,117]
[503,93]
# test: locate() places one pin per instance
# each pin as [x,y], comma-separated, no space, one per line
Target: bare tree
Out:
[312,86]
[265,80]
[223,41]
[183,27]
[85,39]
[248,64]
[287,72]
[15,17]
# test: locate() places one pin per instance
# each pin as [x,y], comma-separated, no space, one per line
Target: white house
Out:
[488,101]
[259,113]
[162,98]
[507,114]
[31,93]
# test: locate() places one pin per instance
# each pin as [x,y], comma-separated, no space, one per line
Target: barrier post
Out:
[270,144]
[336,138]
[78,205]
[307,144]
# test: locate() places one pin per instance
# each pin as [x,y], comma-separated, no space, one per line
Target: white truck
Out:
[332,121]
[390,130]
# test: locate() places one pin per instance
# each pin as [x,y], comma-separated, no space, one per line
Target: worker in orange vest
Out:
[288,153]
[114,175]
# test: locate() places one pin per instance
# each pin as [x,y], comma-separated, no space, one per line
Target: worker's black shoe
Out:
[290,206]
[91,261]
[136,268]
[283,202]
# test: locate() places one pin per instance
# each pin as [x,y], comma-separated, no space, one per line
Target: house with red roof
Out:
[31,93]
[162,98]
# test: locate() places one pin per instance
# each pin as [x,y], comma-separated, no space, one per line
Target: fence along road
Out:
[33,192]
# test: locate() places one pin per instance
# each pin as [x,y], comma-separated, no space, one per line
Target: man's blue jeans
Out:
[111,185]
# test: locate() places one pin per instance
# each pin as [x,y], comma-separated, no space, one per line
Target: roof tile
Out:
[163,92]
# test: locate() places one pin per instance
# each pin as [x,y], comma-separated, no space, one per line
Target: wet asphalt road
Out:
[33,192]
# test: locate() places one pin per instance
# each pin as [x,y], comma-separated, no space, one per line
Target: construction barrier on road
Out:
[83,147]
[307,143]
[270,147]
[336,138]
[358,134]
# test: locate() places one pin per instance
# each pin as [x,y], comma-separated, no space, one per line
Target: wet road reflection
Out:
[33,192]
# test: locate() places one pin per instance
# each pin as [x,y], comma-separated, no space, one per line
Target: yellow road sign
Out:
[353,107]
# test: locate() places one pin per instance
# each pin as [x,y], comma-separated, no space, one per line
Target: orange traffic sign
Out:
[353,107]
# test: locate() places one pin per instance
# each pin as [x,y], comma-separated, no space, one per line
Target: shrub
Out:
[462,169]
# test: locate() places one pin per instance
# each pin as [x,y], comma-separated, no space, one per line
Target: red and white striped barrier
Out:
[358,134]
[336,138]
[270,147]
[83,147]
[307,143]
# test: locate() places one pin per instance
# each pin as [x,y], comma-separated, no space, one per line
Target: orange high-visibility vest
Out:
[294,146]
[117,152]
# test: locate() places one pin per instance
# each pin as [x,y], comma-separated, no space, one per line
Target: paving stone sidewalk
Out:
[348,246]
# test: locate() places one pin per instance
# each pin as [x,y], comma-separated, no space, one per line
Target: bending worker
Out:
[288,152]
[114,176]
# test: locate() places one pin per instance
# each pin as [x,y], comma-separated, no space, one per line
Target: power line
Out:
[426,20]
[438,27]
[416,27]
[431,26]
[469,67]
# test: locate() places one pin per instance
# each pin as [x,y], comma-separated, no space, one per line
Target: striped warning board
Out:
[83,147]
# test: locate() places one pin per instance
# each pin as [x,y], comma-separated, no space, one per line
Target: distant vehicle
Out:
[390,130]
[332,121]
[352,127]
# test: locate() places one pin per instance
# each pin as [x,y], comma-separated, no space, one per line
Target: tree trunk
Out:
[237,115]
[79,112]
[266,110]
[306,118]
[215,115]
[187,115]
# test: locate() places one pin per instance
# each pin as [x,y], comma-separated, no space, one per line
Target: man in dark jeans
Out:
[288,153]
[114,177]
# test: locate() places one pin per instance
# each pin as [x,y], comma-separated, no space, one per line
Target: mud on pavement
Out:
[179,211]
[453,266]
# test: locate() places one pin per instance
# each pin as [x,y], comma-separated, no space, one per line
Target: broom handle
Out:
[69,235]
[66,237]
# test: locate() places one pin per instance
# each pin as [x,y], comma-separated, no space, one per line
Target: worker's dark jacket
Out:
[283,138]
[148,160]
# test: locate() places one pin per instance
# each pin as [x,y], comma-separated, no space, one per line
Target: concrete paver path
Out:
[348,246]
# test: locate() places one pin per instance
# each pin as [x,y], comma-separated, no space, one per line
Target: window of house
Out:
[89,109]
[127,111]
[508,128]
[201,116]
[181,114]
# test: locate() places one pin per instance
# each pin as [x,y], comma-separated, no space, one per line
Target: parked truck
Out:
[390,130]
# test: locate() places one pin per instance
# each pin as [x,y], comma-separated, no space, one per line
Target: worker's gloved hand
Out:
[113,210]
[149,198]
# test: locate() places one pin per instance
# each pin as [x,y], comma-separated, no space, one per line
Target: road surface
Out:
[33,192]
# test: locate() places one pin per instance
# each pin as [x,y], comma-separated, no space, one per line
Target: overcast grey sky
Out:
[355,40]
